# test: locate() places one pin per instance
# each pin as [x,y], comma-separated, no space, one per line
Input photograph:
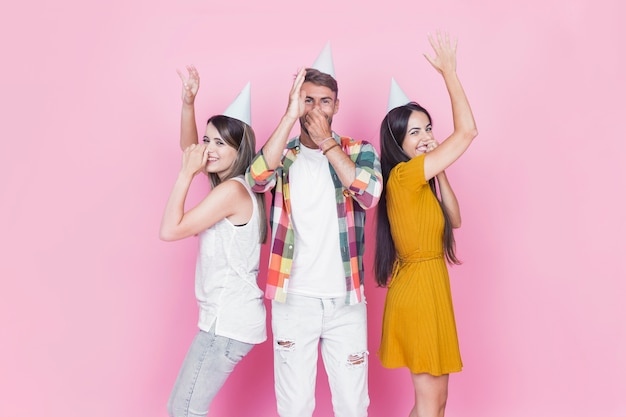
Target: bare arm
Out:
[275,145]
[343,165]
[319,129]
[358,172]
[448,198]
[188,128]
[225,201]
[464,126]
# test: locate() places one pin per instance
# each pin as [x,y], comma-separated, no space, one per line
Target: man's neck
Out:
[306,140]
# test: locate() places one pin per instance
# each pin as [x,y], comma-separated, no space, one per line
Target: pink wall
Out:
[96,313]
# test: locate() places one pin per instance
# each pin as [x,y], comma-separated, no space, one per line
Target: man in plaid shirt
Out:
[322,184]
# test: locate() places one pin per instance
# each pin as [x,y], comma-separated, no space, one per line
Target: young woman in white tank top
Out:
[230,223]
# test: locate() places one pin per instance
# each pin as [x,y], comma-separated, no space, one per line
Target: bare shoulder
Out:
[238,200]
[231,189]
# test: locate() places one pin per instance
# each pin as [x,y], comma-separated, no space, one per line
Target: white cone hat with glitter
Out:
[397,97]
[240,107]
[324,61]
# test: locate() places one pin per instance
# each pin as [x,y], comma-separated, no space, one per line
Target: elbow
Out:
[184,144]
[363,198]
[366,188]
[466,131]
[455,221]
[472,133]
[167,235]
[258,188]
[373,202]
[367,204]
[259,184]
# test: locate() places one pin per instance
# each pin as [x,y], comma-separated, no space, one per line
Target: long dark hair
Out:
[392,131]
[239,135]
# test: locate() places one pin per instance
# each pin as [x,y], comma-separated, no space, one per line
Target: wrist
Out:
[449,74]
[328,148]
[287,118]
[324,143]
[185,175]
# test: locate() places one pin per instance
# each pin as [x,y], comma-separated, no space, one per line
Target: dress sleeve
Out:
[410,174]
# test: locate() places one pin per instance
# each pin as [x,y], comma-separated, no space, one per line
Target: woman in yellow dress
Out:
[414,238]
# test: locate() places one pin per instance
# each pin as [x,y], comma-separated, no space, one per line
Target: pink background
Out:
[96,313]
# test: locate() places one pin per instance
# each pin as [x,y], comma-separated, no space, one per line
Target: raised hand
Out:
[442,156]
[295,108]
[191,84]
[445,58]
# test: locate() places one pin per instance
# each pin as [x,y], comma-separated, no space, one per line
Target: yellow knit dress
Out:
[419,331]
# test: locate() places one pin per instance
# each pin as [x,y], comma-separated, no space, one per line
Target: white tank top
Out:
[226,278]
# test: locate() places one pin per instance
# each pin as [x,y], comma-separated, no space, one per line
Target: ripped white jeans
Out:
[299,326]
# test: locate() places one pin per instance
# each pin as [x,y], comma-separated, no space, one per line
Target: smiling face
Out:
[418,134]
[221,154]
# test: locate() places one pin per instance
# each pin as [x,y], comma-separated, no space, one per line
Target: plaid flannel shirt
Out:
[365,190]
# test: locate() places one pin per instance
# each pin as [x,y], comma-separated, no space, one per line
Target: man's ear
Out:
[336,107]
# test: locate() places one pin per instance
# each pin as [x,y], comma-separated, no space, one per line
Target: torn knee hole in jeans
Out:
[356,359]
[285,344]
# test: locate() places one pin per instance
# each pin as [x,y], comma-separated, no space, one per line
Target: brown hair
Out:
[240,136]
[321,78]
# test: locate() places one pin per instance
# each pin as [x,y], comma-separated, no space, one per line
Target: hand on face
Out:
[191,84]
[195,158]
[427,145]
[317,125]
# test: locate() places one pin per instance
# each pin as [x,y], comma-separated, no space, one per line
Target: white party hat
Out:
[397,97]
[324,61]
[240,107]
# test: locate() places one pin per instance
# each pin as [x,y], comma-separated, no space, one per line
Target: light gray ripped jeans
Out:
[206,367]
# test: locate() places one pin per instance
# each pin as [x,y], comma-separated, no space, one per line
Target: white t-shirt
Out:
[317,268]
